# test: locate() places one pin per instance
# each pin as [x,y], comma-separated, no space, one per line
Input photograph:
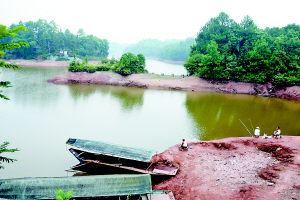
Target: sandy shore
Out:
[235,168]
[190,83]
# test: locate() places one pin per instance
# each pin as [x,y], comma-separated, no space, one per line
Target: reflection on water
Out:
[128,98]
[30,87]
[217,115]
[40,117]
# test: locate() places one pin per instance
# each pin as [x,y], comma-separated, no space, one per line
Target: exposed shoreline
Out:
[190,83]
[161,82]
[235,168]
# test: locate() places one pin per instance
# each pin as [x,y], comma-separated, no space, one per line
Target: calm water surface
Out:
[40,117]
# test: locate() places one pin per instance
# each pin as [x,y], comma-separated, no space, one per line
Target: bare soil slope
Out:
[235,168]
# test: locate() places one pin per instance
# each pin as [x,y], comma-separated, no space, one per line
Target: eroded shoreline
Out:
[189,83]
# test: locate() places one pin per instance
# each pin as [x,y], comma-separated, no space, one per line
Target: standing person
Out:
[277,132]
[184,145]
[257,132]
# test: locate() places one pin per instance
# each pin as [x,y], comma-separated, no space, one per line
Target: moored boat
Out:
[83,187]
[102,158]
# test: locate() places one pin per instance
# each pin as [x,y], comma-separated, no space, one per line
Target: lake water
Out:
[40,117]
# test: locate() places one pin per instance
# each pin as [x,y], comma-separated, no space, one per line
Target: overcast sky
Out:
[129,21]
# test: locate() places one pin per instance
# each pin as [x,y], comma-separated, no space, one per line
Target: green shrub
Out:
[130,64]
[60,195]
[104,60]
[103,67]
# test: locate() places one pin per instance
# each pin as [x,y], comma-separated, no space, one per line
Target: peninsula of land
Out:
[187,83]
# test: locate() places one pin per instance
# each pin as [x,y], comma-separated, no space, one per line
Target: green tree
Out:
[4,33]
[4,149]
[226,50]
[46,39]
[130,64]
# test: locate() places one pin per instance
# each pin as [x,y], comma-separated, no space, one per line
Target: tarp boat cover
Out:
[112,149]
[82,186]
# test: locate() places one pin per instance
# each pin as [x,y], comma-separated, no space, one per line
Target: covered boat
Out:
[103,158]
[83,187]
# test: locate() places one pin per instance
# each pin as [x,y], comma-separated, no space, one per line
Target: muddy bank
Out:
[190,83]
[235,168]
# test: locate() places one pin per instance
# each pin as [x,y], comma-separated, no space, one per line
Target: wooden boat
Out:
[102,158]
[83,187]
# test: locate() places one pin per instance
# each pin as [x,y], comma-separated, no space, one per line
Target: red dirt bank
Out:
[235,168]
[184,83]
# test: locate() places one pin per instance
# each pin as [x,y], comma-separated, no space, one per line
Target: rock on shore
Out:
[189,83]
[235,168]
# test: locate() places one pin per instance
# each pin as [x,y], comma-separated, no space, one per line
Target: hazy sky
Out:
[128,21]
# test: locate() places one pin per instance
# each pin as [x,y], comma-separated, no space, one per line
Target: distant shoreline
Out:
[186,83]
[65,64]
[39,63]
[167,61]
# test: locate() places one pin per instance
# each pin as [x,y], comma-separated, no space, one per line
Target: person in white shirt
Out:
[257,132]
[184,145]
[277,132]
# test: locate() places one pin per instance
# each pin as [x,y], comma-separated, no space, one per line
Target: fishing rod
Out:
[246,127]
[251,125]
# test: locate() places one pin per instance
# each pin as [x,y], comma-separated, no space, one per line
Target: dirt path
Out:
[235,168]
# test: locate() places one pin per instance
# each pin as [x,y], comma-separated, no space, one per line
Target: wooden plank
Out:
[156,171]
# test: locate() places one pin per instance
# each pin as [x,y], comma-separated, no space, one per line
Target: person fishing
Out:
[183,145]
[256,132]
[277,132]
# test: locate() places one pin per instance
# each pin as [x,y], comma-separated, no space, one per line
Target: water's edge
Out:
[190,83]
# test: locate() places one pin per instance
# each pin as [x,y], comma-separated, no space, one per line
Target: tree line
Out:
[46,39]
[177,50]
[227,50]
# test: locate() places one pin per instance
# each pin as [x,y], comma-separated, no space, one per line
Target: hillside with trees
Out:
[47,39]
[227,50]
[177,50]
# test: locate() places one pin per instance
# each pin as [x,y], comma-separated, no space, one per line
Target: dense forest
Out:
[46,39]
[177,50]
[226,50]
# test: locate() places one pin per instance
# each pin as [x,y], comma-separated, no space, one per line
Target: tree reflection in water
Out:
[217,115]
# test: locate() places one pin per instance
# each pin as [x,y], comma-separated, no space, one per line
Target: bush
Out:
[130,64]
[60,195]
[104,60]
[103,67]
[113,61]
